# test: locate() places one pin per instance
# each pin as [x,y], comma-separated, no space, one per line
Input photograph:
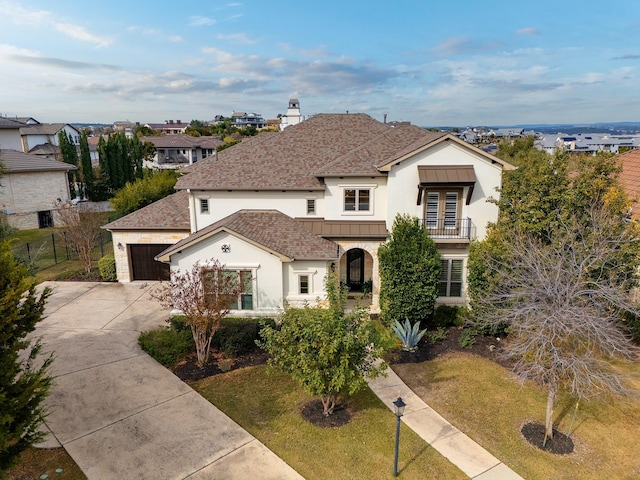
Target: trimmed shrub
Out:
[167,345]
[107,268]
[238,336]
[448,316]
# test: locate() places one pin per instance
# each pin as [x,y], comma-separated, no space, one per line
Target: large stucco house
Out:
[282,209]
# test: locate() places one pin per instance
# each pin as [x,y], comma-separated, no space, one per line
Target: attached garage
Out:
[143,234]
[143,263]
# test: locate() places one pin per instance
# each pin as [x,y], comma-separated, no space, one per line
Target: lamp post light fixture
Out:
[399,411]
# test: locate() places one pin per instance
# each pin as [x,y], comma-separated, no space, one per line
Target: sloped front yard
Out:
[483,400]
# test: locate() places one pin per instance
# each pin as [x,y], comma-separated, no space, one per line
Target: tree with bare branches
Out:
[204,295]
[81,224]
[562,298]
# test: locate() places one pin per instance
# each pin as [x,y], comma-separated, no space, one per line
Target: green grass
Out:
[35,462]
[268,405]
[483,400]
[47,265]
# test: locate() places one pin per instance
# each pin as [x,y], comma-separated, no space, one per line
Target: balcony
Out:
[449,228]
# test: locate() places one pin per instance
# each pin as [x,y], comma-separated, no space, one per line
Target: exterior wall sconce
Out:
[120,246]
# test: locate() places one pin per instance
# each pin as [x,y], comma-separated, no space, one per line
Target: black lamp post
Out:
[398,410]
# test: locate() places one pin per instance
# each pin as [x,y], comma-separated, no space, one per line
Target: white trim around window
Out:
[358,199]
[304,279]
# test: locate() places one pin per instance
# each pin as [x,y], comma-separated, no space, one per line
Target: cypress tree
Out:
[23,386]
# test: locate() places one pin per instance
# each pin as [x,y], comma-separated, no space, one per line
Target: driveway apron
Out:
[119,413]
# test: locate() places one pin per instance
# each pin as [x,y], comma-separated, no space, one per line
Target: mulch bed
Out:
[488,347]
[312,412]
[189,371]
[560,444]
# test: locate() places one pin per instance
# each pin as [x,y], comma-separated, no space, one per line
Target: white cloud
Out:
[176,39]
[242,38]
[199,21]
[80,33]
[527,31]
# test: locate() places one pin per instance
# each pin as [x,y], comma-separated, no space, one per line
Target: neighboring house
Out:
[42,139]
[169,127]
[590,143]
[10,133]
[178,150]
[244,120]
[283,209]
[30,188]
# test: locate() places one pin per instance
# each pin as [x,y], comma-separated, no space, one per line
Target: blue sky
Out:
[431,63]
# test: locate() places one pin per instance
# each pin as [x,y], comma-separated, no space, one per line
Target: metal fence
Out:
[53,249]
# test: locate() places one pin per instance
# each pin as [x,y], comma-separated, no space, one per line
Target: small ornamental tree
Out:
[409,272]
[204,296]
[562,299]
[23,386]
[327,351]
[82,229]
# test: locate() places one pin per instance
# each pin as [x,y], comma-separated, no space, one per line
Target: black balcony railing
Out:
[449,228]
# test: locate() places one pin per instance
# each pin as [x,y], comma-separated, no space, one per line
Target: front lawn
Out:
[483,400]
[268,404]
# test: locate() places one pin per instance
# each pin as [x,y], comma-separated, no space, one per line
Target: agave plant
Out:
[410,335]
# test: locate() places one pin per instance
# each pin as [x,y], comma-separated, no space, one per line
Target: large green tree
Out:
[328,351]
[120,160]
[409,272]
[69,155]
[23,384]
[86,168]
[154,186]
[556,270]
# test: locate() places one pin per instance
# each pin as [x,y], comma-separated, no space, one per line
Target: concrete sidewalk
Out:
[120,414]
[463,452]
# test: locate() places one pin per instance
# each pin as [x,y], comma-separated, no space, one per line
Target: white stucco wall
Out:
[266,268]
[316,271]
[403,184]
[334,198]
[121,240]
[223,204]
[10,139]
[27,193]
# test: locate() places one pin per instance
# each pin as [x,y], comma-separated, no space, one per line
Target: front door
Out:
[355,269]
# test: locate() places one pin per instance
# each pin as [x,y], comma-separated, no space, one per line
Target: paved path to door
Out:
[121,415]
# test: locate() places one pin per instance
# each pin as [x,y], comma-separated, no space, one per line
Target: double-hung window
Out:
[357,200]
[450,284]
[242,301]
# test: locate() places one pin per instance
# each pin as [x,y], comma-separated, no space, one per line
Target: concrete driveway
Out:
[121,415]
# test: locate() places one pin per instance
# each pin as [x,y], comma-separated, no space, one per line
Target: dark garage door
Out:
[143,266]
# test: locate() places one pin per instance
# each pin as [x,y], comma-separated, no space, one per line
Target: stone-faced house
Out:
[282,209]
[30,187]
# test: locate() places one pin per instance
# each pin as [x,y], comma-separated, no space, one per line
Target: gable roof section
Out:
[385,147]
[270,230]
[168,213]
[180,140]
[45,129]
[11,123]
[18,162]
[629,178]
[287,160]
[426,143]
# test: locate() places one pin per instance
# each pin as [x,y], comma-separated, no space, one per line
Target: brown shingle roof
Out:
[384,148]
[168,213]
[44,129]
[270,229]
[180,140]
[287,160]
[16,161]
[630,177]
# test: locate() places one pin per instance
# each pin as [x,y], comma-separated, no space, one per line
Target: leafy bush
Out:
[167,345]
[107,267]
[448,316]
[408,334]
[238,336]
[467,337]
[439,334]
